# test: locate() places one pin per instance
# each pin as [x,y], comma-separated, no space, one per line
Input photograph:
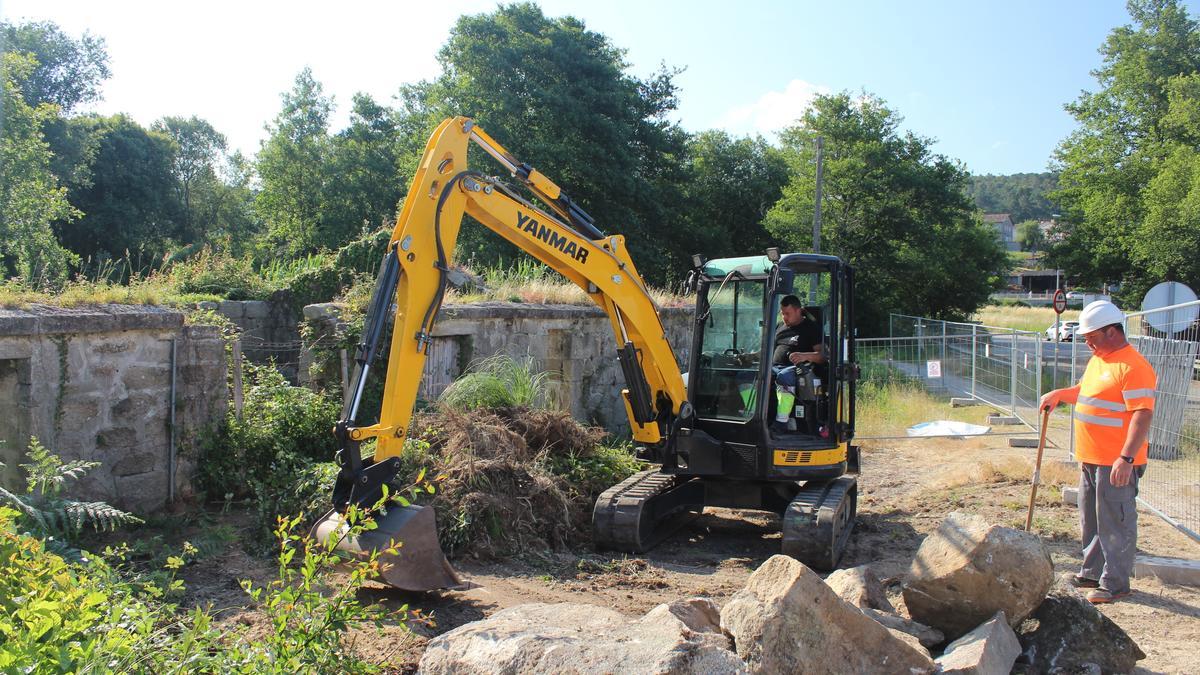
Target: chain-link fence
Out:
[1010,369]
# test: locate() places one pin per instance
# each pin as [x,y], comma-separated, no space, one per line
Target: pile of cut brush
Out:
[514,479]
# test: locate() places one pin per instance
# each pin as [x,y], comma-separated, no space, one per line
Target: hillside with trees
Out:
[1024,196]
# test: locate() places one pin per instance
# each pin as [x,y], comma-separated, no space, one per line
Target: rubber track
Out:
[623,518]
[812,531]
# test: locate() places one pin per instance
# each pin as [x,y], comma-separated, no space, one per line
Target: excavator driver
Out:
[798,348]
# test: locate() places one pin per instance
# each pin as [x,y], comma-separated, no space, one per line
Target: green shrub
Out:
[497,382]
[282,427]
[219,273]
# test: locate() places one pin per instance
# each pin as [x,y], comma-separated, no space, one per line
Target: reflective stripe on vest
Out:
[1137,393]
[1101,403]
[1099,421]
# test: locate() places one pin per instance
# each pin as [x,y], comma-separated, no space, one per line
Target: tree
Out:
[198,150]
[557,95]
[129,206]
[366,177]
[1024,196]
[68,72]
[30,196]
[1125,167]
[731,185]
[1031,236]
[897,212]
[292,167]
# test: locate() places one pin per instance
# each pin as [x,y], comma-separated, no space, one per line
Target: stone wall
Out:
[95,384]
[270,330]
[573,343]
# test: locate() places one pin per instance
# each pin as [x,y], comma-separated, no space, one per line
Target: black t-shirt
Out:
[791,339]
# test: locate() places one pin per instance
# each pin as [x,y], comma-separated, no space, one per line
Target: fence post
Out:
[1012,380]
[943,344]
[1037,390]
[974,339]
[237,378]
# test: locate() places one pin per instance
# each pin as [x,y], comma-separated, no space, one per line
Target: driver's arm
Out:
[816,356]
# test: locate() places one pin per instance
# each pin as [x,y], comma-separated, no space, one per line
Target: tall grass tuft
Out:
[498,382]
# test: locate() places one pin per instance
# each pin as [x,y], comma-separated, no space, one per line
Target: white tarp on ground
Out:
[947,428]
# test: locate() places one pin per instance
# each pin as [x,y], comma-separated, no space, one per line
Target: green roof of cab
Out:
[749,266]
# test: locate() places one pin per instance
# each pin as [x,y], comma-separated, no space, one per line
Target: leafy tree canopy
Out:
[558,96]
[68,72]
[1127,185]
[1024,196]
[899,213]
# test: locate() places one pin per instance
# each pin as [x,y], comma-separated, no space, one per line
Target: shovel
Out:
[418,563]
[1037,468]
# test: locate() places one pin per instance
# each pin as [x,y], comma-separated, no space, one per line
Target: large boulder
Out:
[969,569]
[990,649]
[1068,634]
[861,587]
[682,637]
[786,620]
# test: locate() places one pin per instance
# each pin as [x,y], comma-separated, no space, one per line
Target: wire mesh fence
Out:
[1009,370]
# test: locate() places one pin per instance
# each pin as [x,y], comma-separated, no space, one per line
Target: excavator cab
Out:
[760,432]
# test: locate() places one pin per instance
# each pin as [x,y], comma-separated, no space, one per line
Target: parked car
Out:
[1075,295]
[1066,331]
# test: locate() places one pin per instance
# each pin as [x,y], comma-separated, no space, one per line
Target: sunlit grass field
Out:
[890,409]
[1036,319]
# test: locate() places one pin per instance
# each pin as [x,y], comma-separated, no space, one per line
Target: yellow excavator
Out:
[715,436]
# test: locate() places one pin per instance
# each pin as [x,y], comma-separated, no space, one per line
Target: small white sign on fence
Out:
[987,351]
[933,369]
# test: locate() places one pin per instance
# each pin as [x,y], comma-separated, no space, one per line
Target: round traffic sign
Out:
[1060,301]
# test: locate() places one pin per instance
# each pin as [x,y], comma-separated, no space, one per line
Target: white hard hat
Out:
[1097,315]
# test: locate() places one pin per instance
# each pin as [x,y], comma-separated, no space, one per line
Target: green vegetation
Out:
[498,382]
[1128,183]
[1023,196]
[44,510]
[883,188]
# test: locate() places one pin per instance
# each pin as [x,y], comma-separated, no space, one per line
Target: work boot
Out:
[1103,596]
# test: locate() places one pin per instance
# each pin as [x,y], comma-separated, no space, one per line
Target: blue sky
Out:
[987,80]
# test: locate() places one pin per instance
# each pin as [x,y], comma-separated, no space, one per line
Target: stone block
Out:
[135,461]
[1003,420]
[323,311]
[968,569]
[990,649]
[140,493]
[1022,442]
[147,377]
[208,305]
[78,411]
[861,587]
[963,402]
[575,638]
[118,437]
[1070,496]
[1068,634]
[1179,571]
[135,408]
[924,635]
[256,309]
[232,309]
[786,620]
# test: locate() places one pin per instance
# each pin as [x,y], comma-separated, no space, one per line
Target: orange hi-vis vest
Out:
[1112,388]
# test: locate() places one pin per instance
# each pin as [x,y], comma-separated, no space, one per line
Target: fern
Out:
[49,515]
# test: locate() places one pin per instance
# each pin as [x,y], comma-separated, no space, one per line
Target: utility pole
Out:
[817,208]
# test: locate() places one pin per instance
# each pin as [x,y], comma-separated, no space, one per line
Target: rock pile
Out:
[965,580]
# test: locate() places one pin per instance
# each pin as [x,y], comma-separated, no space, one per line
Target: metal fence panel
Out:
[1010,370]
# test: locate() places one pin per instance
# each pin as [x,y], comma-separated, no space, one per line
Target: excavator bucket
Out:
[417,564]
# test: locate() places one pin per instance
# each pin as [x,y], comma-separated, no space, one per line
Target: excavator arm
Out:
[414,273]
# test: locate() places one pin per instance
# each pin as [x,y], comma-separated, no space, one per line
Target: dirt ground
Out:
[906,489]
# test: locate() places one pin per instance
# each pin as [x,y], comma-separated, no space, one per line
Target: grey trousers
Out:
[1108,520]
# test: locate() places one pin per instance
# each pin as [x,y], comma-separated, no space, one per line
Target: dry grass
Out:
[1022,318]
[890,409]
[153,290]
[1009,470]
[550,292]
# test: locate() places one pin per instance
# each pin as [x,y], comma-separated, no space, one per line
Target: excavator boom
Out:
[413,279]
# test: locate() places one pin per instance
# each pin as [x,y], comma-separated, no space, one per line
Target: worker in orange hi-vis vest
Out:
[1113,405]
